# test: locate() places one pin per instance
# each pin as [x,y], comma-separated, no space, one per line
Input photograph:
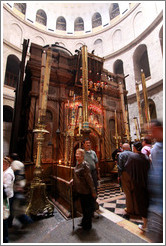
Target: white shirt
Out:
[8,181]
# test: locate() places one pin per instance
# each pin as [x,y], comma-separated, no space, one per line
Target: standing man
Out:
[123,176]
[84,187]
[92,160]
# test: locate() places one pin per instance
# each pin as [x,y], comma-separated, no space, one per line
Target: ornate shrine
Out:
[71,107]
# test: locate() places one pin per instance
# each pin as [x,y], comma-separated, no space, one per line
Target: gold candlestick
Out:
[147,113]
[80,118]
[139,106]
[85,129]
[127,126]
[39,203]
[71,132]
[136,128]
[123,108]
[67,136]
[116,132]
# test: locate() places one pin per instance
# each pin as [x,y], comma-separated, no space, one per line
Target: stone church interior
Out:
[73,70]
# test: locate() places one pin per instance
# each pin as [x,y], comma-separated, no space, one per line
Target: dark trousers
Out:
[11,217]
[5,231]
[87,205]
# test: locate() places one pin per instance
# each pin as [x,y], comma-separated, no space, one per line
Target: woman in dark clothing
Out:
[83,185]
[137,167]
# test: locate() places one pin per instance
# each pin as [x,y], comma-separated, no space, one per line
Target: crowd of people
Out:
[140,172]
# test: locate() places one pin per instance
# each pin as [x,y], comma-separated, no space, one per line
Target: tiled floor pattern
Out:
[112,198]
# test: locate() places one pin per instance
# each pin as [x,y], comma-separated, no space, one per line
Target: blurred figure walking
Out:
[155,185]
[8,181]
[19,203]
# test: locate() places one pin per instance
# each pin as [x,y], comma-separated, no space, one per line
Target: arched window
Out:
[161,38]
[7,113]
[96,20]
[118,67]
[114,10]
[141,61]
[20,7]
[12,71]
[61,23]
[78,24]
[41,17]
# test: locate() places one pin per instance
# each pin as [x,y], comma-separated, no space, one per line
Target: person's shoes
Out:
[87,228]
[95,215]
[142,228]
[126,216]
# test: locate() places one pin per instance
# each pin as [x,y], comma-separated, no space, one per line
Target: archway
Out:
[12,71]
[7,127]
[141,61]
[95,139]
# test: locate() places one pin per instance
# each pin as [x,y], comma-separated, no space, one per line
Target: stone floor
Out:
[110,227]
[112,198]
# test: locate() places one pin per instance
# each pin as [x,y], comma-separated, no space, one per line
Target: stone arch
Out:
[118,67]
[161,38]
[7,128]
[18,33]
[12,71]
[62,44]
[7,113]
[152,109]
[39,40]
[78,46]
[98,46]
[137,23]
[116,39]
[141,61]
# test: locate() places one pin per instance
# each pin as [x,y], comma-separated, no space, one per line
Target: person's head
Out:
[6,163]
[121,145]
[137,146]
[156,130]
[147,140]
[126,146]
[14,156]
[80,155]
[87,144]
